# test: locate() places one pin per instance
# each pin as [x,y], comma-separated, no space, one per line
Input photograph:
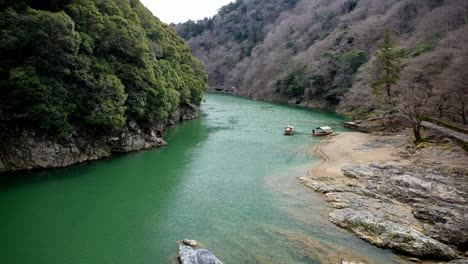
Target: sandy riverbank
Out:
[393,195]
[352,148]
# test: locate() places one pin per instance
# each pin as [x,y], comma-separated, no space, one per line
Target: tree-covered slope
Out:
[230,36]
[91,64]
[323,52]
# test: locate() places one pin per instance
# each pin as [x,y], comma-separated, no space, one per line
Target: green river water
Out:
[228,180]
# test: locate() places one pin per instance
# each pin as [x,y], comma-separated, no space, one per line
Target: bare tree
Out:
[416,101]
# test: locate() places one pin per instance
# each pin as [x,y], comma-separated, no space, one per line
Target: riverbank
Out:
[394,195]
[28,149]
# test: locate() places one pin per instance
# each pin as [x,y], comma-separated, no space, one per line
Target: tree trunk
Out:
[388,89]
[416,130]
[463,112]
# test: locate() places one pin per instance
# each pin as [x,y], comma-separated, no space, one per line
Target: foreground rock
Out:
[413,199]
[189,255]
[24,150]
[421,212]
[386,233]
[437,197]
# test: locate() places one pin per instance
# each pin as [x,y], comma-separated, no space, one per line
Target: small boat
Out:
[322,131]
[289,130]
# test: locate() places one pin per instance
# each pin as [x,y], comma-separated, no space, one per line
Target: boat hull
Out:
[324,133]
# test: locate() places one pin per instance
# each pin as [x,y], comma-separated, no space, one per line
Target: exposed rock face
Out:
[421,212]
[439,198]
[186,112]
[29,151]
[134,138]
[389,234]
[188,255]
[23,150]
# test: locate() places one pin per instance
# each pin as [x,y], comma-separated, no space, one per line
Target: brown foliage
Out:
[316,33]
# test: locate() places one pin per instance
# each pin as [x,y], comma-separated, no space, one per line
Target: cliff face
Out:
[26,149]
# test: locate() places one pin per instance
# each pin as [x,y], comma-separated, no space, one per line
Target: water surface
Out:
[228,180]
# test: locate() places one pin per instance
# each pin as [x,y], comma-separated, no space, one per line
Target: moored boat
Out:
[322,131]
[289,130]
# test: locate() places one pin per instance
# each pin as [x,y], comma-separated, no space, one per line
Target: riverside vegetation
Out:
[81,79]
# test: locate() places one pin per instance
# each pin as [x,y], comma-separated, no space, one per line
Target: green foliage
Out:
[349,6]
[292,84]
[246,49]
[39,101]
[230,7]
[107,103]
[329,21]
[353,60]
[340,37]
[419,49]
[388,63]
[333,96]
[97,63]
[191,29]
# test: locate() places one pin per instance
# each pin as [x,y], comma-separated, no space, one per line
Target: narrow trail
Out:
[447,131]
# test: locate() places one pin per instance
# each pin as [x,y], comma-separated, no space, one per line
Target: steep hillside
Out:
[98,71]
[317,52]
[230,36]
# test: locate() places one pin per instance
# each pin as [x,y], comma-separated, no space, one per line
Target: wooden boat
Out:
[322,131]
[288,131]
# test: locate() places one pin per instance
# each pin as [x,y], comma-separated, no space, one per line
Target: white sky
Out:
[175,11]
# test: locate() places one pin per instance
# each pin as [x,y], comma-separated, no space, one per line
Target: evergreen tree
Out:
[388,62]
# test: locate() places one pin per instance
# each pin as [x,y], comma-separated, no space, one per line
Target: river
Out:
[227,179]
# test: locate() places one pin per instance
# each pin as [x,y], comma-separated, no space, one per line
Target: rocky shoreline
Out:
[412,203]
[190,252]
[27,150]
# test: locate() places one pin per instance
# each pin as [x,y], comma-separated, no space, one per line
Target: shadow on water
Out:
[198,133]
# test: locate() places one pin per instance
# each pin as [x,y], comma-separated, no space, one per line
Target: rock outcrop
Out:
[419,211]
[189,255]
[27,149]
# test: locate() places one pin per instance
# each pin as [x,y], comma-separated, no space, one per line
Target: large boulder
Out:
[439,198]
[388,234]
[189,255]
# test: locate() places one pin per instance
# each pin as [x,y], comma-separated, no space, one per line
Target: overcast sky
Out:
[175,11]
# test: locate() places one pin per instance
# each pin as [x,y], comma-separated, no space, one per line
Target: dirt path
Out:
[447,131]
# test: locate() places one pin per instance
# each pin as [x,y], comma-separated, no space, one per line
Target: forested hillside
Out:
[326,53]
[80,79]
[91,63]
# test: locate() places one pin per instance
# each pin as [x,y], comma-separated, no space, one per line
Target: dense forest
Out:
[91,64]
[358,56]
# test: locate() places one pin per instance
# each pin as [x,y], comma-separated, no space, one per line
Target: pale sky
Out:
[175,11]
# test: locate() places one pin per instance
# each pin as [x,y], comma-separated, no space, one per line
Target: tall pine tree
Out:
[388,63]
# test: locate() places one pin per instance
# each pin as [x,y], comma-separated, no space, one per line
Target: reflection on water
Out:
[228,179]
